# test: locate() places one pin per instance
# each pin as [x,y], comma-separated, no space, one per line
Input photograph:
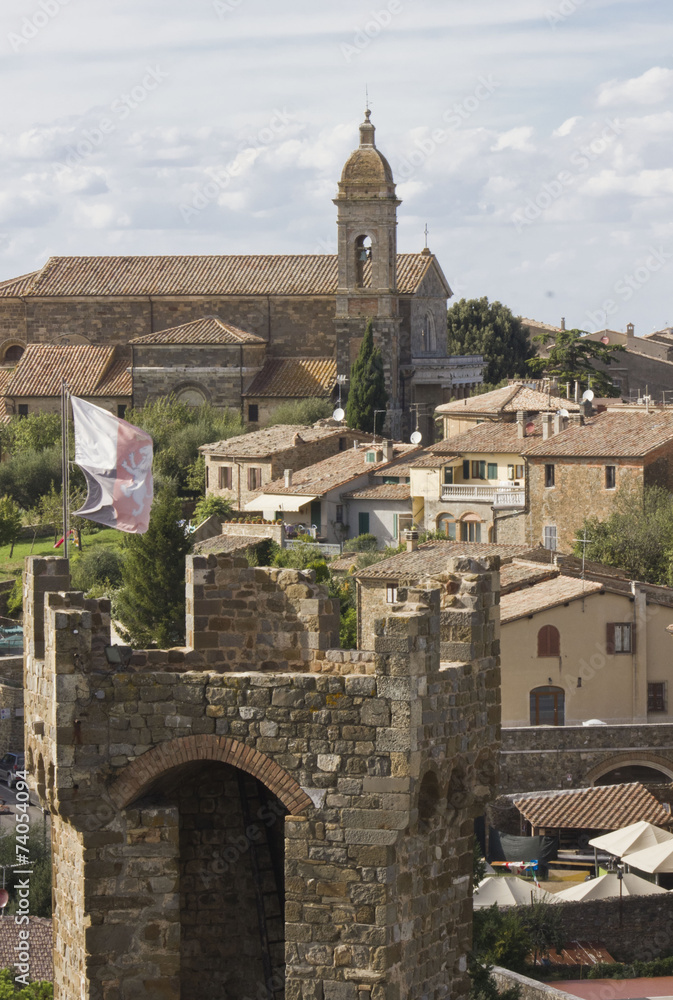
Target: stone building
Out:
[259,813]
[303,306]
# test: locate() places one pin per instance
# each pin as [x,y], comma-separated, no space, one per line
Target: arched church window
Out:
[13,353]
[363,261]
[428,335]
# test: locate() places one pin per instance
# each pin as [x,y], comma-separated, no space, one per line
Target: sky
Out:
[533,137]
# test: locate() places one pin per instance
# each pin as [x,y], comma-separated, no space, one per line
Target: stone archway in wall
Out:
[230,859]
[645,768]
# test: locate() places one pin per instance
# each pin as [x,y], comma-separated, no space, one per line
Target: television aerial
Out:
[339,414]
[588,396]
[416,437]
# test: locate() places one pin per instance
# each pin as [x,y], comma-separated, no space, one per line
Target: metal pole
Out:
[65,467]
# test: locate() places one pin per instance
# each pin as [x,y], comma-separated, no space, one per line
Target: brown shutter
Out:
[554,644]
[542,642]
[609,638]
[633,638]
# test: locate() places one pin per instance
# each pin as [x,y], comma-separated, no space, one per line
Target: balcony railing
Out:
[496,496]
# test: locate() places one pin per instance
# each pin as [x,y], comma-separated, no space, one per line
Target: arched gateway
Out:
[260,814]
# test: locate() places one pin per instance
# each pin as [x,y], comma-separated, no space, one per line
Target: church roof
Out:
[295,377]
[367,165]
[208,330]
[258,274]
[508,399]
[89,369]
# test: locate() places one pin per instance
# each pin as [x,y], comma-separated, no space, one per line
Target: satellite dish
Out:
[339,414]
[588,396]
[605,340]
[4,898]
[416,437]
[530,428]
[563,413]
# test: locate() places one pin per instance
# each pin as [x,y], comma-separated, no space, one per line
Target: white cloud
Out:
[516,138]
[567,126]
[652,87]
[646,184]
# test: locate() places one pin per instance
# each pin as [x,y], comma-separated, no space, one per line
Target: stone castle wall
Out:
[11,701]
[366,776]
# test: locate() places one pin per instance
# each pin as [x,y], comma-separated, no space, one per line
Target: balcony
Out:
[496,496]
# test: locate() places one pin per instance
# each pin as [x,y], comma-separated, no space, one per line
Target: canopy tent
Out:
[636,837]
[655,859]
[510,890]
[606,887]
[279,502]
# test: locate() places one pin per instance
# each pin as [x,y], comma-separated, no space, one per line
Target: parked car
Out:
[9,765]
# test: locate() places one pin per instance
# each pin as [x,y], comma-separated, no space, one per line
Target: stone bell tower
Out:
[367,221]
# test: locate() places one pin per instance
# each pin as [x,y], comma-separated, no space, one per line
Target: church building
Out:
[244,331]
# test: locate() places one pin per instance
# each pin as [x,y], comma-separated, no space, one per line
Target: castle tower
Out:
[367,221]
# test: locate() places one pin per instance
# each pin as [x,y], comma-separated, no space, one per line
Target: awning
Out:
[279,502]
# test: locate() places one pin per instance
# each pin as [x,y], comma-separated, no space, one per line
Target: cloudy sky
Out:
[533,137]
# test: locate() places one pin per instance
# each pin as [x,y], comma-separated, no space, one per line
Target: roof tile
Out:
[610,435]
[508,399]
[208,330]
[392,491]
[267,442]
[606,807]
[544,595]
[89,370]
[431,558]
[296,377]
[338,470]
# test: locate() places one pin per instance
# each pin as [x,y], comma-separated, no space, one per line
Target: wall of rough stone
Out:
[11,700]
[640,927]
[541,757]
[381,774]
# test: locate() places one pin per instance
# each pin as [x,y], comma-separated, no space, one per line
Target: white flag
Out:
[116,459]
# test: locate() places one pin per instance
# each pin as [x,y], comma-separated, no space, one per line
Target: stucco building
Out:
[274,307]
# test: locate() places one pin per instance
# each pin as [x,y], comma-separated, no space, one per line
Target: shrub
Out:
[363,543]
[100,567]
[304,411]
[219,506]
[27,477]
[15,599]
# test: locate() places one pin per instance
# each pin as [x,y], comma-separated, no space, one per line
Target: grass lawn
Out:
[45,547]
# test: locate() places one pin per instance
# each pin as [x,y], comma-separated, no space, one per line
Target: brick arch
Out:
[144,770]
[634,758]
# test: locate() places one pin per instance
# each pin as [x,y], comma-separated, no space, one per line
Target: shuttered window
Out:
[620,637]
[548,641]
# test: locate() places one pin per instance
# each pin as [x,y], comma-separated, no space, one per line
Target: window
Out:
[549,476]
[253,413]
[391,594]
[470,531]
[428,335]
[492,472]
[363,523]
[225,477]
[656,697]
[343,444]
[23,409]
[610,477]
[363,256]
[121,410]
[466,469]
[370,456]
[391,480]
[254,478]
[448,477]
[396,526]
[547,706]
[479,470]
[207,477]
[447,526]
[515,471]
[548,641]
[620,637]
[550,537]
[339,514]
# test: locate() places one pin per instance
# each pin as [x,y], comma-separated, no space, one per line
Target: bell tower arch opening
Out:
[363,261]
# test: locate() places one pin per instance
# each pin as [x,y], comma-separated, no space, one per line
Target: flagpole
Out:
[65,466]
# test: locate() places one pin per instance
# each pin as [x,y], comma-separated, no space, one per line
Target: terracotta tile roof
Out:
[518,575]
[607,807]
[338,470]
[489,438]
[89,370]
[432,460]
[259,274]
[208,330]
[344,563]
[401,471]
[228,543]
[392,491]
[17,286]
[293,377]
[509,399]
[41,943]
[610,435]
[271,440]
[5,378]
[545,595]
[431,558]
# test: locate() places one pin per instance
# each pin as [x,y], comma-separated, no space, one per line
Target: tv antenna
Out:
[340,413]
[427,233]
[416,437]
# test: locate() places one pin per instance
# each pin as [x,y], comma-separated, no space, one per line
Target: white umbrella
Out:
[655,859]
[629,839]
[508,891]
[606,887]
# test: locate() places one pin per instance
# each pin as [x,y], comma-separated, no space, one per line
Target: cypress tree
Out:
[151,603]
[367,390]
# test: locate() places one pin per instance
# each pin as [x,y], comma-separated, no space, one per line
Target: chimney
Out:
[577,392]
[576,420]
[560,423]
[356,445]
[288,478]
[388,450]
[521,423]
[547,426]
[563,322]
[411,538]
[630,330]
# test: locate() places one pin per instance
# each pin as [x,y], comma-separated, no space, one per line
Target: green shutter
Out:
[466,469]
[363,523]
[482,470]
[396,526]
[492,470]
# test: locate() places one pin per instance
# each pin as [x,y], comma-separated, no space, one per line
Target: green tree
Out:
[637,536]
[27,477]
[484,986]
[501,938]
[367,391]
[151,603]
[573,358]
[37,432]
[478,863]
[544,923]
[10,522]
[477,326]
[35,991]
[99,568]
[301,411]
[219,506]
